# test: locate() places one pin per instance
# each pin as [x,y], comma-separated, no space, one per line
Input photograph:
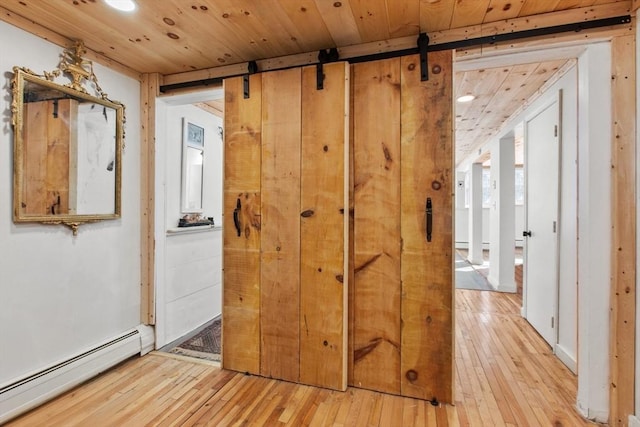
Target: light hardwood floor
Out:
[505,376]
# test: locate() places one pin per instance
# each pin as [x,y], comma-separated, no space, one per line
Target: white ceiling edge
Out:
[192,97]
[495,59]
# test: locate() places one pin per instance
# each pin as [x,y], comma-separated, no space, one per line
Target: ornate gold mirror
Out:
[67,146]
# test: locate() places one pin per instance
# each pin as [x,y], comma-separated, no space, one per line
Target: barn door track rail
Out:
[422,48]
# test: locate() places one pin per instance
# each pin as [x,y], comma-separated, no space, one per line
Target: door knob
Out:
[526,234]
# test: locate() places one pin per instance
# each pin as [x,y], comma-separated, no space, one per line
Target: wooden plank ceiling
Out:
[178,36]
[499,93]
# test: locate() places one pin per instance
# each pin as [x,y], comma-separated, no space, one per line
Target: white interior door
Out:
[542,145]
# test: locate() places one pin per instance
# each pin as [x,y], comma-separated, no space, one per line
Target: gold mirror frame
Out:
[80,71]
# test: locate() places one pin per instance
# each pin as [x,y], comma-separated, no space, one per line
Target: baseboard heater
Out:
[19,396]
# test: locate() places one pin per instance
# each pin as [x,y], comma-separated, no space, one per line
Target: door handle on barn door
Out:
[236,217]
[429,214]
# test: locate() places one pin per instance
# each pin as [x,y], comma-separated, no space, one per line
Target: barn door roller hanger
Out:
[423,46]
[252,68]
[324,57]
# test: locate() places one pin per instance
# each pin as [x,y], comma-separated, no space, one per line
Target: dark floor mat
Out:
[204,345]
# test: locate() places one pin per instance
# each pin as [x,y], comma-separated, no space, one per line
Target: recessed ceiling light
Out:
[466,98]
[123,5]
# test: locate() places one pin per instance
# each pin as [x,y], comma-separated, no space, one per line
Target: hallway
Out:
[505,375]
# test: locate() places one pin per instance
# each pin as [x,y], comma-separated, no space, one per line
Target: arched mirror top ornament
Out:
[68,143]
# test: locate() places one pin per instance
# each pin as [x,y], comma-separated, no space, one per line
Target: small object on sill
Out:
[194,220]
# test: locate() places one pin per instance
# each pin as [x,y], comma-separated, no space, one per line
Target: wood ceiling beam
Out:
[62,41]
[585,14]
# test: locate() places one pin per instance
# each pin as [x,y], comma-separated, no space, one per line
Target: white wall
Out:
[60,294]
[594,244]
[567,346]
[193,281]
[502,215]
[189,261]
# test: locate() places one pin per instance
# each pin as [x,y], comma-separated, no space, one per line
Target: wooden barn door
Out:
[402,295]
[286,232]
[285,229]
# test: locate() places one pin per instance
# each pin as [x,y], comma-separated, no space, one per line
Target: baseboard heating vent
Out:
[19,396]
[65,363]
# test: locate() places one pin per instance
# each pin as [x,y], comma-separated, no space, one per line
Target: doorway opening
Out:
[495,174]
[188,234]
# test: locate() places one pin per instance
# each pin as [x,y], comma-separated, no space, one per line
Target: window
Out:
[519,185]
[486,187]
[192,167]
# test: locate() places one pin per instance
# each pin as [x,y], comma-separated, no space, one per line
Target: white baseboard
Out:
[465,245]
[634,421]
[501,287]
[567,359]
[19,396]
[147,339]
[598,416]
[485,245]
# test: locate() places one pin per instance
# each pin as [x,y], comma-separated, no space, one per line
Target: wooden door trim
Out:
[149,91]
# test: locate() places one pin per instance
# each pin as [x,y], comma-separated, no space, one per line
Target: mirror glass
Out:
[67,151]
[192,167]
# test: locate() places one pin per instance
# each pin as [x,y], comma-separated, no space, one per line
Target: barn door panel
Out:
[403,291]
[376,139]
[285,280]
[280,275]
[323,228]
[242,166]
[427,229]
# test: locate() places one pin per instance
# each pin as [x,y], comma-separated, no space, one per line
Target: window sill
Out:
[195,229]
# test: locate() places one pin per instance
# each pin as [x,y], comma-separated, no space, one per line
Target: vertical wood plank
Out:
[280,235]
[35,149]
[48,140]
[59,136]
[436,16]
[149,90]
[241,290]
[340,21]
[372,19]
[376,130]
[466,13]
[502,9]
[403,17]
[324,228]
[351,303]
[623,205]
[72,123]
[427,267]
